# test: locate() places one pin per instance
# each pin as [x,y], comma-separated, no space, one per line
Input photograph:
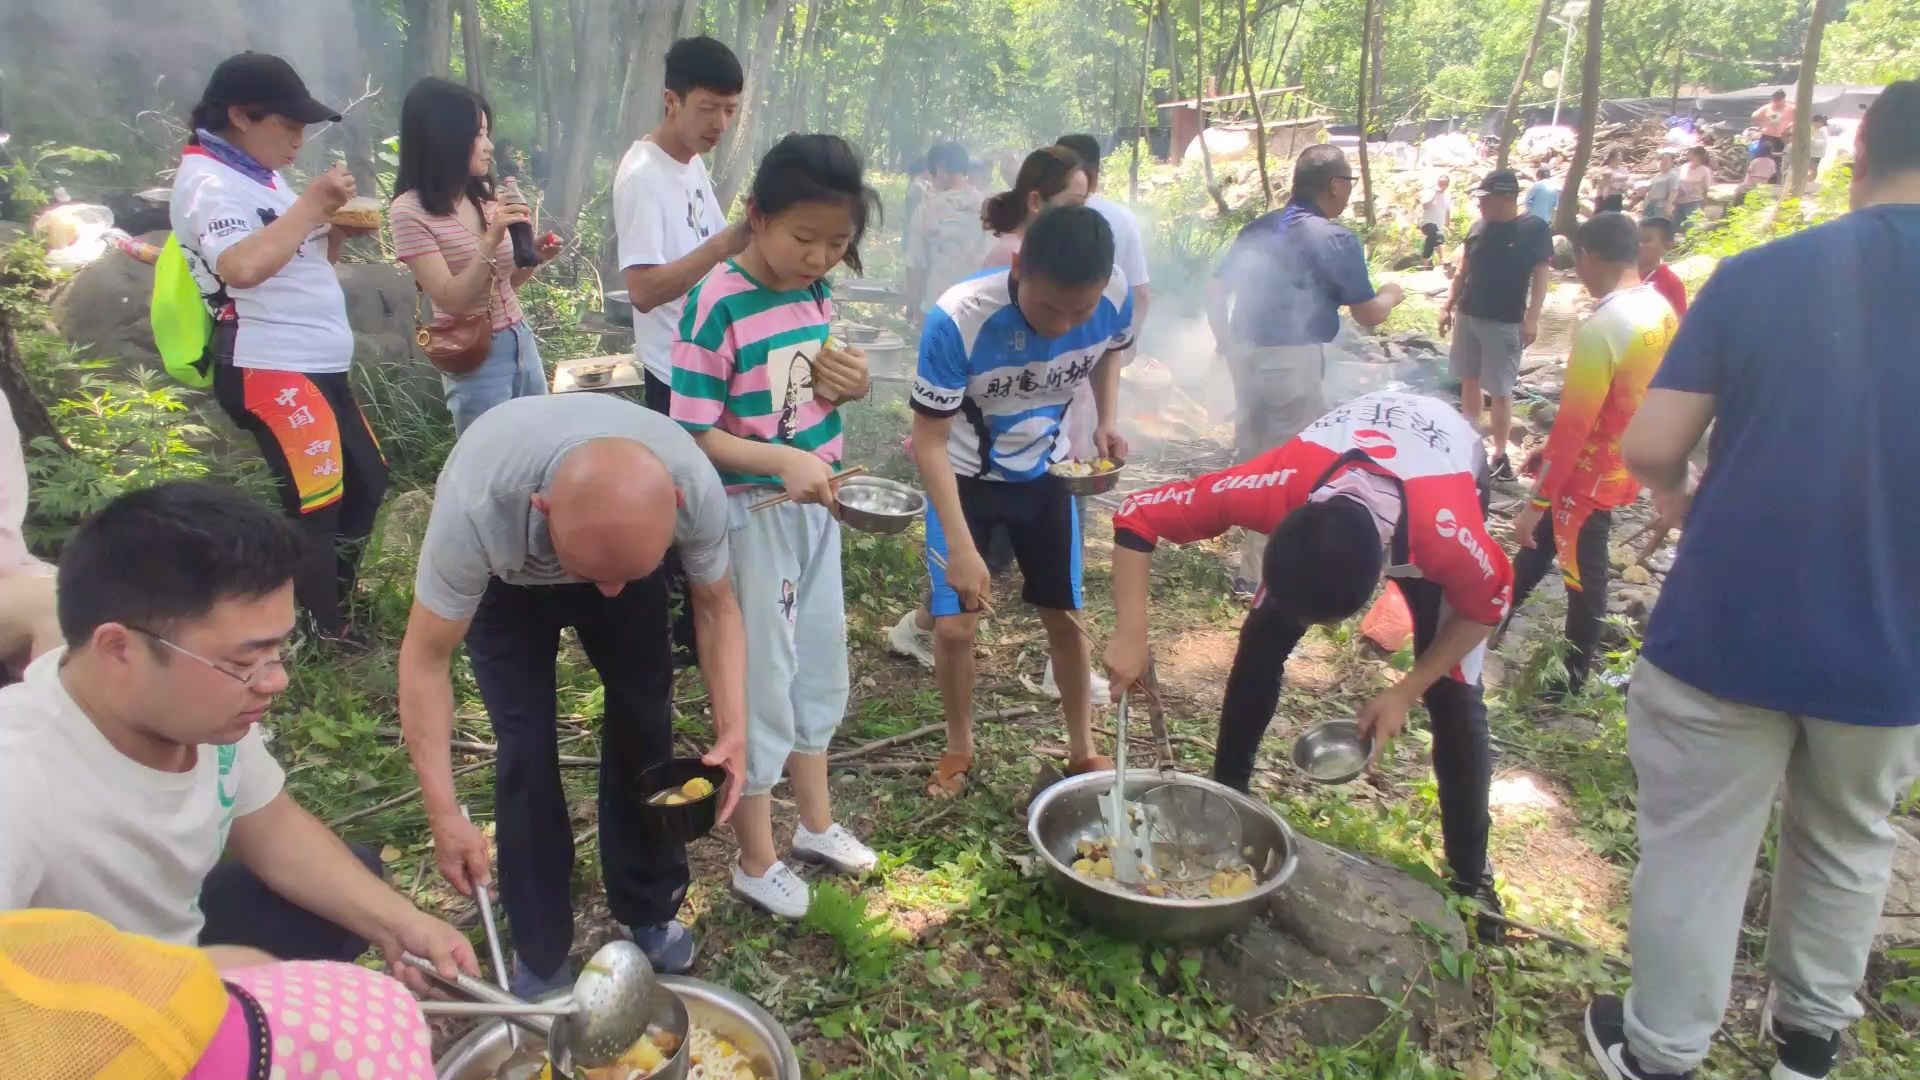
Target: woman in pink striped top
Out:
[451,231]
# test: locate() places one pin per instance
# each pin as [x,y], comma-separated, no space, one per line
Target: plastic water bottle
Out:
[524,253]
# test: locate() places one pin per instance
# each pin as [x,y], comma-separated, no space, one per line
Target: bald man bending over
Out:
[554,512]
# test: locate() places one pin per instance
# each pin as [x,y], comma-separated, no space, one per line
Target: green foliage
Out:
[34,171]
[1878,41]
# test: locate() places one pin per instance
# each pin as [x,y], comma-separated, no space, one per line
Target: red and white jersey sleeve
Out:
[1255,495]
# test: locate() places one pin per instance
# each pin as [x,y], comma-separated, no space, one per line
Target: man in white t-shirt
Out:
[131,760]
[1129,254]
[669,223]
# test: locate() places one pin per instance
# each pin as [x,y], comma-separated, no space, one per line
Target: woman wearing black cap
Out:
[280,345]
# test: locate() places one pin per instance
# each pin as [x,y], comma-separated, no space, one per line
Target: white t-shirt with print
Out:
[84,827]
[662,210]
[295,320]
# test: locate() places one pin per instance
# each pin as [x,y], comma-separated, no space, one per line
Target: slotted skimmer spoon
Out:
[1190,831]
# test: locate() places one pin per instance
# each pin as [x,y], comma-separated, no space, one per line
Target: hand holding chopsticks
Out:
[787,496]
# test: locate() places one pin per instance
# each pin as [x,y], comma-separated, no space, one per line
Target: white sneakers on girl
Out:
[779,891]
[836,847]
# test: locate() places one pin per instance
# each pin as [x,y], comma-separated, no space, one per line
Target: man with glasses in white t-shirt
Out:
[131,760]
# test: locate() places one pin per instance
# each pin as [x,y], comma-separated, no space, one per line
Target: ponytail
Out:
[1046,172]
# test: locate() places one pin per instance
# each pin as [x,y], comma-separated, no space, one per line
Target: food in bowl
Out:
[690,792]
[710,1057]
[1095,863]
[358,213]
[1097,467]
[592,374]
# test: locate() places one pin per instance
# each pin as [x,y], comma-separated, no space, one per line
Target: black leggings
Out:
[1586,587]
[1462,753]
[1432,242]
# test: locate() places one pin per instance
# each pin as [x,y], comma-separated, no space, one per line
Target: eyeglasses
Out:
[245,678]
[1349,178]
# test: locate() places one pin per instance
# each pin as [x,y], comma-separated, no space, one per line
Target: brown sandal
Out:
[950,776]
[1096,763]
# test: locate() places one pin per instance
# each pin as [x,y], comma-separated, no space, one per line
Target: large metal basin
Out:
[734,1017]
[1069,811]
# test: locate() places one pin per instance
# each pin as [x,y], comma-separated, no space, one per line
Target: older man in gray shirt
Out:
[555,512]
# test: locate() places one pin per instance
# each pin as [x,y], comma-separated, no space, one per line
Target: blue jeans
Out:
[511,370]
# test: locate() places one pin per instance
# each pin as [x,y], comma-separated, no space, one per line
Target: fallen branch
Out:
[409,796]
[881,766]
[925,730]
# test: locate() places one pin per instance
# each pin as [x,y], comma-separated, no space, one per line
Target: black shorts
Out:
[1041,524]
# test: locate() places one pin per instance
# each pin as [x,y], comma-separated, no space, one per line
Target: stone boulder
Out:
[1349,939]
[1562,252]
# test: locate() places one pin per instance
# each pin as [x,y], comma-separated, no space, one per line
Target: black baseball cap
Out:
[266,81]
[1500,182]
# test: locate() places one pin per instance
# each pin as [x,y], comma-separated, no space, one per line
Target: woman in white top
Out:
[450,228]
[281,346]
[1610,183]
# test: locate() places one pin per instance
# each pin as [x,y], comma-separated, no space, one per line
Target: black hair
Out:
[439,120]
[1315,170]
[948,157]
[1323,562]
[1542,173]
[155,557]
[1611,235]
[1819,118]
[917,165]
[1045,171]
[1068,245]
[1616,152]
[1087,148]
[816,168]
[1890,132]
[701,63]
[1780,95]
[1662,226]
[1702,151]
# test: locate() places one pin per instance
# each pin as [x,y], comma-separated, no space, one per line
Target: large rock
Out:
[1361,937]
[1900,929]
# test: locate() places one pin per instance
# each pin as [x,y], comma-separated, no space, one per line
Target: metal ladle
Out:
[482,896]
[604,1016]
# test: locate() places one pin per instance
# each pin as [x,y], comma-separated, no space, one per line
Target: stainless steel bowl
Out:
[734,1017]
[876,504]
[1070,811]
[1095,484]
[1332,752]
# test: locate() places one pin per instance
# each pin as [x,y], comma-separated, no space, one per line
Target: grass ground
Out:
[954,960]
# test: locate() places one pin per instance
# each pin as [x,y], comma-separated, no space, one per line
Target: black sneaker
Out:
[1486,931]
[1607,1038]
[1502,471]
[1802,1054]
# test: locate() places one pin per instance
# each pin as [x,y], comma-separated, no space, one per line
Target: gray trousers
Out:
[1708,772]
[1276,394]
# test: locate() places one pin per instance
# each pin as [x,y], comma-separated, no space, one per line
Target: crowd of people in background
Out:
[138,792]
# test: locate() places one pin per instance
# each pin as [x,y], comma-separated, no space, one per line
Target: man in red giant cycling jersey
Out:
[1389,483]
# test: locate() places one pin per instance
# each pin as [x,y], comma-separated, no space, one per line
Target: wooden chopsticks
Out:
[857,470]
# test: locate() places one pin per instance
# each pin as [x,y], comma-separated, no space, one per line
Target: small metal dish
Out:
[876,504]
[593,375]
[1332,752]
[1092,484]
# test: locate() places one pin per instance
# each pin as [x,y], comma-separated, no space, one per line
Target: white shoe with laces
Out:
[1099,689]
[778,892]
[907,639]
[836,847]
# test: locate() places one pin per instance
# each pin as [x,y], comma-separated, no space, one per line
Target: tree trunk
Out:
[804,64]
[429,49]
[689,18]
[29,415]
[1565,218]
[589,77]
[1140,109]
[1199,96]
[646,70]
[474,45]
[1363,107]
[1259,121]
[739,157]
[1509,123]
[544,135]
[1166,42]
[742,26]
[1802,163]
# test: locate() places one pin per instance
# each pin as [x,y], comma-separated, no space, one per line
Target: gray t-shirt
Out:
[484,525]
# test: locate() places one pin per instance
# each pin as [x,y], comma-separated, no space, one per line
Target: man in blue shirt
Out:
[1543,195]
[1274,304]
[1002,353]
[1784,655]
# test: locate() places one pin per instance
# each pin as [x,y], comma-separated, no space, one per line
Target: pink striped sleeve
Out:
[412,237]
[717,286]
[692,411]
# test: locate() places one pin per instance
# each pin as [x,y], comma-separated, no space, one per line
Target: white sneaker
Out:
[907,639]
[779,892]
[1097,685]
[836,847]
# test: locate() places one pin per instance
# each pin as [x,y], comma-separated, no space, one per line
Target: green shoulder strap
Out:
[182,328]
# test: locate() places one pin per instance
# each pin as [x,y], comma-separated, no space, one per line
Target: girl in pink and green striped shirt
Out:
[758,385]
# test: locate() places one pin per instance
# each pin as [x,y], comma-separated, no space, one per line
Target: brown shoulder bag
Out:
[462,344]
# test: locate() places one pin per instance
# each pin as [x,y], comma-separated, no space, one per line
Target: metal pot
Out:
[732,1016]
[1070,811]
